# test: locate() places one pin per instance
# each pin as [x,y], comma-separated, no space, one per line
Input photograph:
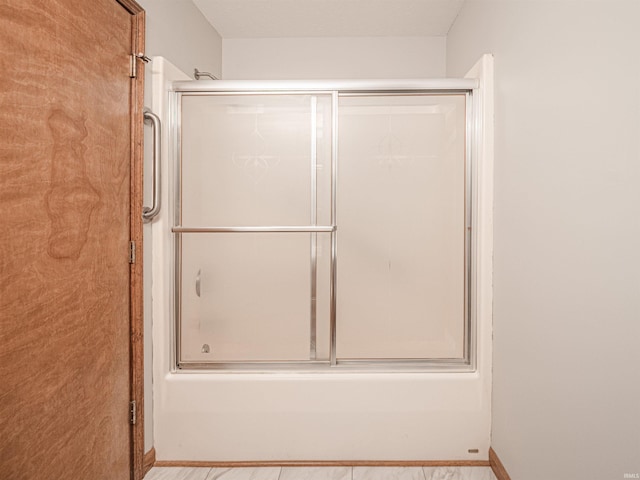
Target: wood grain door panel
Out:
[65,193]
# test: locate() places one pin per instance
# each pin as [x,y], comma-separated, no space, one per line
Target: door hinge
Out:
[133,58]
[132,252]
[132,412]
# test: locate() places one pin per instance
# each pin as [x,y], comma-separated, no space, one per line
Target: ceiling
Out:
[330,18]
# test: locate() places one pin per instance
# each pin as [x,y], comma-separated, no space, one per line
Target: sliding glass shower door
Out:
[253,166]
[322,229]
[401,216]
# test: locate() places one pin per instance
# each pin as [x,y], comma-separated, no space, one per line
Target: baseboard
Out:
[148,461]
[328,463]
[496,465]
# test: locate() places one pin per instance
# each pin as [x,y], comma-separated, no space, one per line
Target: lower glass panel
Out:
[247,297]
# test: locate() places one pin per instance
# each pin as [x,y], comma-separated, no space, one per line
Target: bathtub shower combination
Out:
[324,226]
[322,269]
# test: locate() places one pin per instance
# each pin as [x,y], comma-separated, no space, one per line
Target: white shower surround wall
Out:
[322,416]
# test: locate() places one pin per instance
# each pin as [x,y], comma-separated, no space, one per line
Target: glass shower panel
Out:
[402,229]
[246,297]
[255,159]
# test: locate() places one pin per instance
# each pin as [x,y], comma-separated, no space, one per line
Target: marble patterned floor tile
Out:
[388,473]
[458,473]
[315,473]
[177,473]
[244,473]
[321,473]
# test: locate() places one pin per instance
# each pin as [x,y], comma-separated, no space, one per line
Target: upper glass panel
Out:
[255,160]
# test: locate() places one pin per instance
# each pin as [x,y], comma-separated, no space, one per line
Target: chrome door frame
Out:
[334,88]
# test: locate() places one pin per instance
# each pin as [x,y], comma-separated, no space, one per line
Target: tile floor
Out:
[321,473]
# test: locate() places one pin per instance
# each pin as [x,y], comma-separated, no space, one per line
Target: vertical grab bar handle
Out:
[148,213]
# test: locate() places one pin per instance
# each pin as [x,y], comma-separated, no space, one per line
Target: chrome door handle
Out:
[198,277]
[148,213]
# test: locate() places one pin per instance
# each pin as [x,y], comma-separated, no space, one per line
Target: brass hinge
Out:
[132,412]
[134,57]
[132,252]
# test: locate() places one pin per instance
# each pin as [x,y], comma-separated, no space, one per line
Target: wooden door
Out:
[69,206]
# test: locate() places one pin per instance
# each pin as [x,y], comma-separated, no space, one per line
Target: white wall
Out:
[322,58]
[177,30]
[567,292]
